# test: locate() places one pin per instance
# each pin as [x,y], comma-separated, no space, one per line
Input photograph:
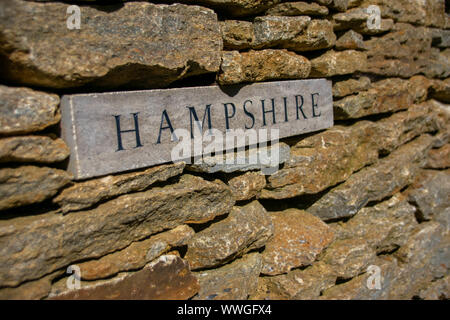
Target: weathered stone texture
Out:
[234,281]
[26,254]
[167,278]
[86,194]
[247,186]
[350,40]
[136,255]
[333,63]
[41,149]
[255,66]
[246,228]
[24,110]
[29,184]
[439,158]
[297,240]
[297,9]
[376,182]
[357,19]
[136,44]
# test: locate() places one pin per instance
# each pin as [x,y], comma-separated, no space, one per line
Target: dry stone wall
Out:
[372,191]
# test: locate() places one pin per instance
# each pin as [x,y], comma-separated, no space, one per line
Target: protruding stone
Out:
[238,8]
[41,149]
[247,185]
[439,158]
[29,184]
[167,278]
[26,255]
[254,66]
[357,19]
[351,86]
[297,240]
[234,281]
[297,9]
[333,63]
[86,194]
[136,255]
[376,182]
[134,44]
[24,110]
[246,228]
[237,35]
[350,40]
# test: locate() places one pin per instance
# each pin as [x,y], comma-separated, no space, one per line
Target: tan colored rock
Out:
[247,186]
[333,63]
[351,86]
[357,19]
[25,110]
[297,240]
[246,228]
[437,290]
[138,44]
[237,35]
[136,255]
[167,278]
[374,183]
[439,158]
[255,66]
[440,90]
[234,281]
[297,9]
[318,35]
[350,40]
[41,149]
[26,255]
[237,8]
[429,13]
[29,184]
[85,194]
[32,290]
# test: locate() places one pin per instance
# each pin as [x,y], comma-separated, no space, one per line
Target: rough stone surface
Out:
[350,40]
[136,255]
[438,289]
[333,63]
[269,64]
[86,194]
[373,183]
[441,38]
[24,110]
[32,290]
[439,158]
[356,19]
[237,8]
[234,281]
[297,240]
[136,44]
[41,149]
[237,35]
[166,278]
[440,90]
[246,228]
[29,184]
[247,185]
[351,86]
[431,194]
[243,160]
[26,254]
[297,9]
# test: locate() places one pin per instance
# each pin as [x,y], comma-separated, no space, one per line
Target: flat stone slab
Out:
[119,131]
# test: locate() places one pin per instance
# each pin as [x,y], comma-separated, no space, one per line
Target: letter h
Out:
[135,130]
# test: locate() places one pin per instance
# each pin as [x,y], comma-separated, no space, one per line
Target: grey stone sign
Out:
[119,131]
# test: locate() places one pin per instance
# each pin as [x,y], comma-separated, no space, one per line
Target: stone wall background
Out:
[372,190]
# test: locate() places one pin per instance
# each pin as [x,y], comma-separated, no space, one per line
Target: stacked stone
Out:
[372,190]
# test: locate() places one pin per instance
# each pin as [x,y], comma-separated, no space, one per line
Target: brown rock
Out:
[28,184]
[167,278]
[376,182]
[297,9]
[41,149]
[339,5]
[25,110]
[437,290]
[350,40]
[247,186]
[254,66]
[246,228]
[440,90]
[429,13]
[234,281]
[237,35]
[348,87]
[334,63]
[297,240]
[357,19]
[136,255]
[237,8]
[439,158]
[32,290]
[86,194]
[25,254]
[135,44]
[318,35]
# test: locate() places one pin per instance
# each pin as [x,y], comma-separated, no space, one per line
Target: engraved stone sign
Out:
[119,131]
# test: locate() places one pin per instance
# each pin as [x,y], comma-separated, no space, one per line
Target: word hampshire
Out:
[118,131]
